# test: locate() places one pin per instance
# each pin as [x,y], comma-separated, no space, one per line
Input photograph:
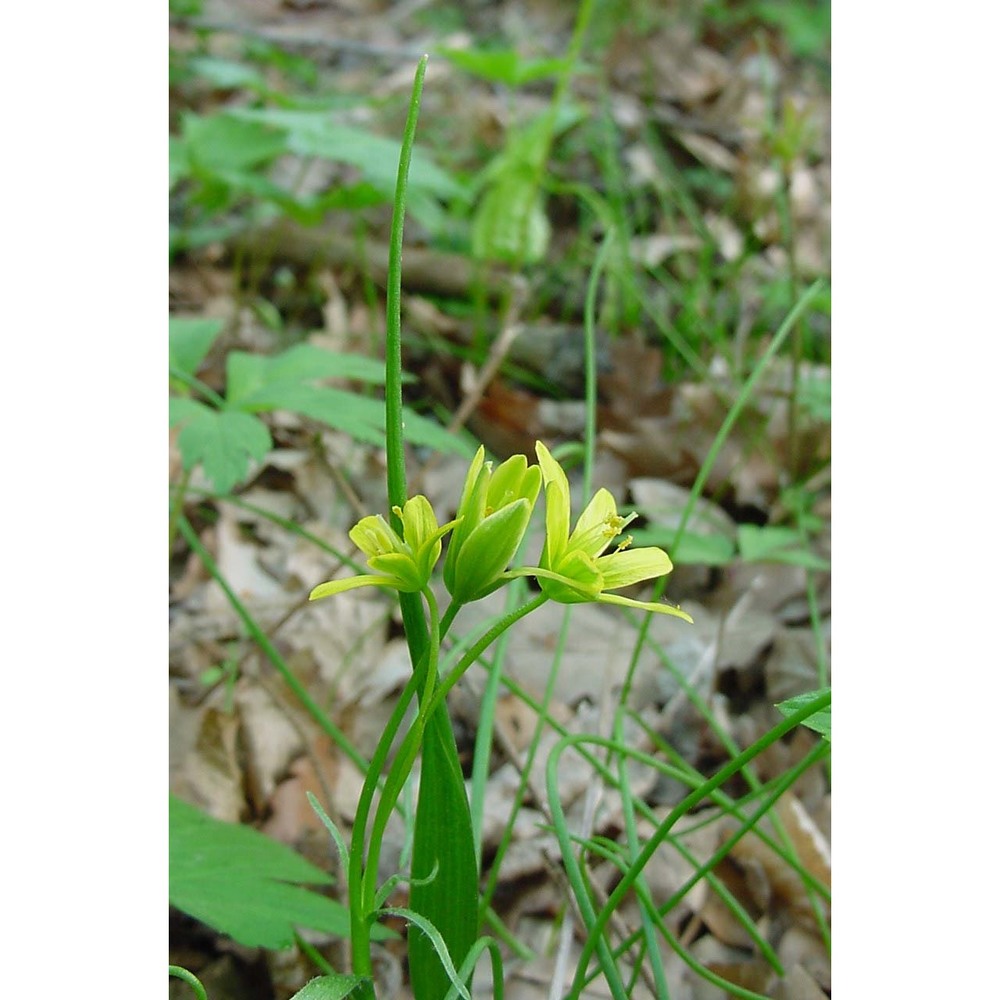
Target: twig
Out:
[350,46]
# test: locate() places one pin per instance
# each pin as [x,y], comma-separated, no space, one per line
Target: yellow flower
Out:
[402,563]
[573,568]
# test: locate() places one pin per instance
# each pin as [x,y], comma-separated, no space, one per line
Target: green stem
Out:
[360,934]
[395,458]
[190,978]
[404,761]
[595,935]
[199,387]
[476,650]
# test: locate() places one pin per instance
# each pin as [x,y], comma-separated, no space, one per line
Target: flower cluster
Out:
[489,526]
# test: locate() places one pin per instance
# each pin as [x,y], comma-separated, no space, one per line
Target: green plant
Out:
[403,547]
[245,884]
[224,434]
[222,178]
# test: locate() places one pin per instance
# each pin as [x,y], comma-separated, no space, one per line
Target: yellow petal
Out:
[556,505]
[622,569]
[374,536]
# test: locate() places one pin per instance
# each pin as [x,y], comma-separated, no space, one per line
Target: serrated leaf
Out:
[225,443]
[819,721]
[191,339]
[772,543]
[240,882]
[335,987]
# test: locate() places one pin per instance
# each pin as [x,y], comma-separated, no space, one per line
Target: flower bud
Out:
[493,516]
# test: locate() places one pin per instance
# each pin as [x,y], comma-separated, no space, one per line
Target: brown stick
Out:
[423,270]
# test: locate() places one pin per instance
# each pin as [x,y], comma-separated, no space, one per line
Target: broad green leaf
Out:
[251,378]
[225,73]
[820,721]
[359,416]
[503,65]
[241,882]
[246,373]
[335,987]
[772,543]
[315,133]
[307,361]
[225,443]
[183,410]
[222,142]
[190,340]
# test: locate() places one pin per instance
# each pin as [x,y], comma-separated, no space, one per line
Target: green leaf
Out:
[190,340]
[503,65]
[223,142]
[254,382]
[184,409]
[238,881]
[224,442]
[819,721]
[335,987]
[307,361]
[361,417]
[772,543]
[315,133]
[225,73]
[442,843]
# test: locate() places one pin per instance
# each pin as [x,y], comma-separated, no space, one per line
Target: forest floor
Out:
[690,160]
